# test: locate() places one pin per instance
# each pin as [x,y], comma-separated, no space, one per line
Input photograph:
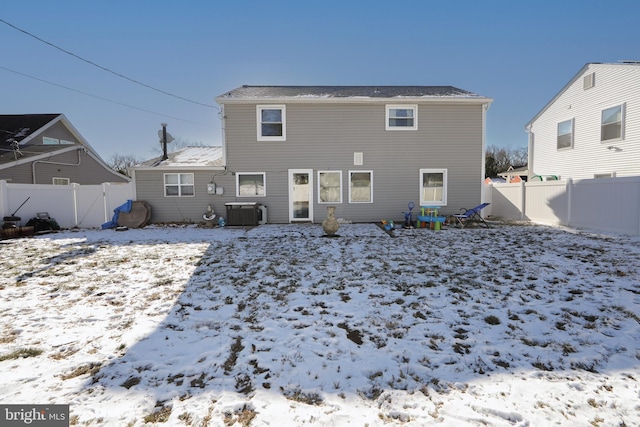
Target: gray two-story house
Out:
[295,150]
[368,150]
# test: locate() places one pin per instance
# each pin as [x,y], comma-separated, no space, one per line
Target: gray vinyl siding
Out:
[79,168]
[150,188]
[58,131]
[325,136]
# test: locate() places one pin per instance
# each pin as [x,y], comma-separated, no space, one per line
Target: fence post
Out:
[75,187]
[523,200]
[105,201]
[487,196]
[4,196]
[569,184]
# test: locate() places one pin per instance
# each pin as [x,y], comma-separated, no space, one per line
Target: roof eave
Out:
[176,167]
[40,156]
[222,100]
[586,66]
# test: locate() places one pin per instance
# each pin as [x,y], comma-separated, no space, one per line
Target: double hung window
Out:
[271,121]
[612,123]
[565,134]
[401,117]
[433,187]
[179,185]
[360,186]
[330,187]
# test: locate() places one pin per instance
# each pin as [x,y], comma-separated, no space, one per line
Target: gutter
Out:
[33,165]
[353,100]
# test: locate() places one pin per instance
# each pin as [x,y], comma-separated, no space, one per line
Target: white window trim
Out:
[164,184]
[264,184]
[413,107]
[62,181]
[259,109]
[573,130]
[320,202]
[444,173]
[623,109]
[370,172]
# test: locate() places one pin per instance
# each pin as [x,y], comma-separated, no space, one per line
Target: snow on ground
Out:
[279,326]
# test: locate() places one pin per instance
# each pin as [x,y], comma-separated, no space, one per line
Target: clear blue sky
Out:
[520,53]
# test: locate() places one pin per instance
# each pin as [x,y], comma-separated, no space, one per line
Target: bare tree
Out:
[177,144]
[122,162]
[499,159]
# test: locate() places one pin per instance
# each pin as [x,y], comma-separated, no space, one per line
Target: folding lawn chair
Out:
[471,215]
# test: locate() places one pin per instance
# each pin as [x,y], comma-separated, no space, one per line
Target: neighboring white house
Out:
[591,128]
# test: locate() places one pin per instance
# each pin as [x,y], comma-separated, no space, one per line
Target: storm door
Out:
[300,195]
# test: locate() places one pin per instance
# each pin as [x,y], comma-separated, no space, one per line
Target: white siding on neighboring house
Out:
[588,157]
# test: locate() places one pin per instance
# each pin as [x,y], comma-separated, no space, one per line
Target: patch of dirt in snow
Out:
[514,325]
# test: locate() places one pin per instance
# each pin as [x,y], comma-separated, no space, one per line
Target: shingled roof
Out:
[17,127]
[256,92]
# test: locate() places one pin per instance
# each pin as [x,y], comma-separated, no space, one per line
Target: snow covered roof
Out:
[189,157]
[334,93]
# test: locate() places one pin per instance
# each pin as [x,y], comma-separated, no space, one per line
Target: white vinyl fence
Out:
[75,205]
[607,204]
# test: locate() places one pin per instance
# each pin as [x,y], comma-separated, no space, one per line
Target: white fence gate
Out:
[75,205]
[608,204]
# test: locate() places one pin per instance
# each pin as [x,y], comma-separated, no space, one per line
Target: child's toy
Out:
[408,216]
[387,225]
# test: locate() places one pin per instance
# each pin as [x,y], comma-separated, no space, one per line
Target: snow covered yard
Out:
[278,326]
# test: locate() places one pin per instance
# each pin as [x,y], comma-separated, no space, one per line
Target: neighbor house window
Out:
[433,187]
[565,134]
[330,187]
[179,185]
[612,123]
[402,117]
[50,141]
[271,123]
[360,186]
[250,184]
[61,181]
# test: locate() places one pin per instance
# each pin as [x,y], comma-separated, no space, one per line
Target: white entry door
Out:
[300,195]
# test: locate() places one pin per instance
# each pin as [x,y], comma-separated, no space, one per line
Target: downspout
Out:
[485,107]
[33,165]
[223,130]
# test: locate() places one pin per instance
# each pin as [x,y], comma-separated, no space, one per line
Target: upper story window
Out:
[55,141]
[179,185]
[271,123]
[402,117]
[612,124]
[565,134]
[250,184]
[433,187]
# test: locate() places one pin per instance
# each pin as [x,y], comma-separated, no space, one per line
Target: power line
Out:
[94,96]
[104,68]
